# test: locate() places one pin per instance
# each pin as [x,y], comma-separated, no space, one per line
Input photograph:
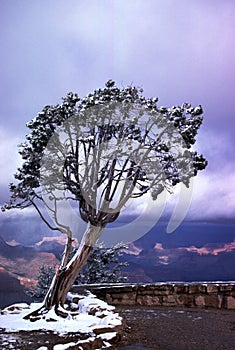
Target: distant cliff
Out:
[11,291]
[210,263]
[193,253]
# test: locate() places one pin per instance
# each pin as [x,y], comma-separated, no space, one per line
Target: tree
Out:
[103,266]
[95,154]
[44,280]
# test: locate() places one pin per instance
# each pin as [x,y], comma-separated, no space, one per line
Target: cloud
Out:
[214,188]
[179,52]
[214,196]
[79,45]
[9,160]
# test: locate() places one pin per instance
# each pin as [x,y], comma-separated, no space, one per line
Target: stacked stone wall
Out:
[201,295]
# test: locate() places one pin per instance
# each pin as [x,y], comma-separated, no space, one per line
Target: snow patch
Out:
[90,314]
[108,336]
[63,346]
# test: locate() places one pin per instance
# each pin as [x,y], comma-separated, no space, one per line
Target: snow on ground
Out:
[105,336]
[89,314]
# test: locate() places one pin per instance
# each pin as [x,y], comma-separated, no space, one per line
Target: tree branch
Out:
[44,219]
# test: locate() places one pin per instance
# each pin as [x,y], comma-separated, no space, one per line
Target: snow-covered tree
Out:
[44,280]
[98,152]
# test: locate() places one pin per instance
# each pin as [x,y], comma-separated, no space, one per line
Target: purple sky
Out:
[179,51]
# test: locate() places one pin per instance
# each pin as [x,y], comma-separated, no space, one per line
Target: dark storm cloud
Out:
[177,50]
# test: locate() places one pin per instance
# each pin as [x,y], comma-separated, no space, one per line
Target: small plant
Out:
[103,266]
[44,278]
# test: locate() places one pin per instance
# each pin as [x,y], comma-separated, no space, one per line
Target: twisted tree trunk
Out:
[67,274]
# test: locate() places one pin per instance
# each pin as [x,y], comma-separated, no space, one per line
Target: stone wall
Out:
[202,295]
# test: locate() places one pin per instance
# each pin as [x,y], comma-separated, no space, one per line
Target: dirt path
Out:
[177,329]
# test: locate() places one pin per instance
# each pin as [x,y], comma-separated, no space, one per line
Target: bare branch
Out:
[44,219]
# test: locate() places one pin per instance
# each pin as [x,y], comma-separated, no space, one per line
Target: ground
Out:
[177,329]
[144,329]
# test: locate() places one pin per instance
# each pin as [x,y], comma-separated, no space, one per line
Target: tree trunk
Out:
[67,274]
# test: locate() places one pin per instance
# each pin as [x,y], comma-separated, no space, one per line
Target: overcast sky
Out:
[177,50]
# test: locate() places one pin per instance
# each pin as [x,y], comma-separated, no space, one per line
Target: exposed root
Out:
[42,312]
[61,311]
[37,314]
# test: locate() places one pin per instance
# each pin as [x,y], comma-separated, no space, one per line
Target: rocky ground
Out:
[148,329]
[177,329]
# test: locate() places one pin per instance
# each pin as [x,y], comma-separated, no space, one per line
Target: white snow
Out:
[105,336]
[63,346]
[90,313]
[108,336]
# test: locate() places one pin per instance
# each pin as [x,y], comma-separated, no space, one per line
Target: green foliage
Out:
[44,278]
[103,265]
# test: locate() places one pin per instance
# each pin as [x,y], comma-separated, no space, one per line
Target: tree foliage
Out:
[44,279]
[98,152]
[103,265]
[155,144]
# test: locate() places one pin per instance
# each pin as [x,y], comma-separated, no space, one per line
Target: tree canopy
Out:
[93,154]
[88,148]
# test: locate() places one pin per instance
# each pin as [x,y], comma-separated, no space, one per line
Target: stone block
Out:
[226,288]
[146,292]
[185,300]
[123,295]
[128,296]
[212,288]
[230,302]
[193,289]
[169,300]
[116,302]
[202,288]
[196,288]
[128,302]
[145,288]
[163,290]
[148,300]
[131,295]
[212,300]
[200,300]
[181,288]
